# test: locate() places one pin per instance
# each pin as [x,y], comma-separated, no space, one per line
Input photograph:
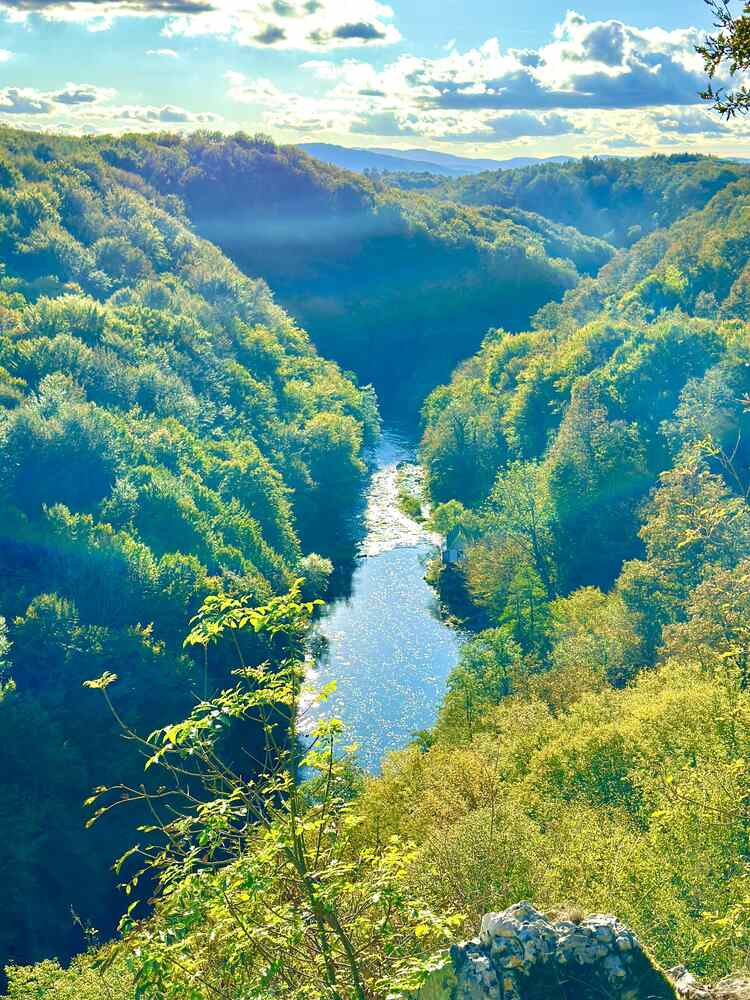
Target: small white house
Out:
[455,545]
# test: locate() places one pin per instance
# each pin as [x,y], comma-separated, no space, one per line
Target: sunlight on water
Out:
[386,646]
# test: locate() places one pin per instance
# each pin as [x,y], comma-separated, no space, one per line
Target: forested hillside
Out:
[176,455]
[166,432]
[617,200]
[367,269]
[599,470]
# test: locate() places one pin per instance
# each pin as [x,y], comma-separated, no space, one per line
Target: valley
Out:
[216,356]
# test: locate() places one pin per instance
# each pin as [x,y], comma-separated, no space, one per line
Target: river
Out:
[385,644]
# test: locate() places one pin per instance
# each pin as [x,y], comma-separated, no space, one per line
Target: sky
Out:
[482,78]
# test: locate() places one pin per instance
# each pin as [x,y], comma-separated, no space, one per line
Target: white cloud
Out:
[603,79]
[690,121]
[84,108]
[588,64]
[517,125]
[23,101]
[624,142]
[600,85]
[308,25]
[168,114]
[258,91]
[288,111]
[72,97]
[361,102]
[386,123]
[75,94]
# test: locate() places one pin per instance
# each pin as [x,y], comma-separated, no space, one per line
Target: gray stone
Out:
[520,954]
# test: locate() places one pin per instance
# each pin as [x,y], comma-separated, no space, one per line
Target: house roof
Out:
[457,534]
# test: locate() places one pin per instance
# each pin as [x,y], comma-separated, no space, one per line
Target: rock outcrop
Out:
[521,954]
[688,987]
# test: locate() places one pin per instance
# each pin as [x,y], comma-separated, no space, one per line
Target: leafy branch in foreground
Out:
[730,47]
[261,891]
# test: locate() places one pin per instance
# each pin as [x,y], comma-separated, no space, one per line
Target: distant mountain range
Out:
[415,160]
[467,164]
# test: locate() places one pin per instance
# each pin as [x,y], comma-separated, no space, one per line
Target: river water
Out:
[385,644]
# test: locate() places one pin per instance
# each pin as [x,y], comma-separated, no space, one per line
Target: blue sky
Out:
[481,78]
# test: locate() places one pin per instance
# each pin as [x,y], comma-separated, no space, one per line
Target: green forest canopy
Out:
[166,432]
[615,199]
[359,263]
[169,434]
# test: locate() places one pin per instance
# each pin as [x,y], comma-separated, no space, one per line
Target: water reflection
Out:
[384,642]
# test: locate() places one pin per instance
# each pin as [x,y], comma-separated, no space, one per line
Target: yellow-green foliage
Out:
[603,763]
[80,981]
[261,890]
[630,802]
